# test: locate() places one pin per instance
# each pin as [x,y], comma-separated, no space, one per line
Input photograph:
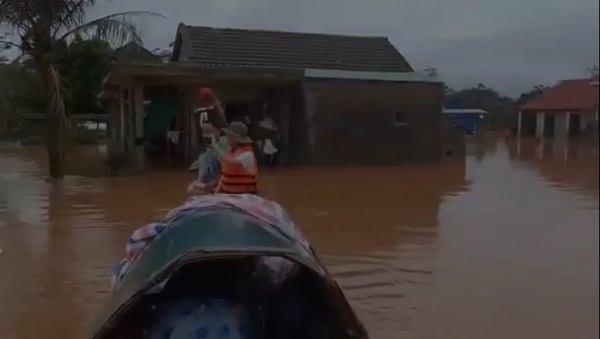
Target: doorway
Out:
[574,124]
[528,122]
[549,123]
[238,111]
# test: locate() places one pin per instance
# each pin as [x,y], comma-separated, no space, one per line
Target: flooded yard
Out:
[501,245]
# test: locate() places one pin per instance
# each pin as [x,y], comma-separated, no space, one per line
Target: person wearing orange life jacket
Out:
[239,170]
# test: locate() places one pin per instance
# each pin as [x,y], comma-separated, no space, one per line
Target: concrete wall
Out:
[587,119]
[539,124]
[561,126]
[562,123]
[354,122]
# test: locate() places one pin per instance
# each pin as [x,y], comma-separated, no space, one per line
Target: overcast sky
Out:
[510,45]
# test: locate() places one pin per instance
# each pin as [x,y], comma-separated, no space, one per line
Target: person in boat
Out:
[208,166]
[239,168]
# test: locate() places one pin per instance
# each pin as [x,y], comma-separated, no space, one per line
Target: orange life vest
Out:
[234,177]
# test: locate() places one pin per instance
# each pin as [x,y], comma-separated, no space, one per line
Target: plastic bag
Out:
[209,166]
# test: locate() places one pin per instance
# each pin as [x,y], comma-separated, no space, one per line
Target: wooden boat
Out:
[216,254]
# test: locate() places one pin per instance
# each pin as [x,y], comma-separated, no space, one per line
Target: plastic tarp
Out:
[267,212]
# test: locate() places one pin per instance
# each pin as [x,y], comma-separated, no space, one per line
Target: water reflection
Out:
[571,165]
[427,251]
[375,228]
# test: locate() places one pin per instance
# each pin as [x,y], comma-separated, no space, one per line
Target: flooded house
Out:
[569,109]
[332,99]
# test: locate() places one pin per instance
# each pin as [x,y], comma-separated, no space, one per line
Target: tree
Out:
[531,94]
[83,65]
[163,54]
[43,26]
[593,72]
[499,106]
[7,115]
[21,90]
[431,72]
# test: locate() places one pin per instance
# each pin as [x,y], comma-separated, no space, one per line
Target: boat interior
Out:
[302,306]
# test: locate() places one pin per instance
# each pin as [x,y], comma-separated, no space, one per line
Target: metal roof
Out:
[464,111]
[375,76]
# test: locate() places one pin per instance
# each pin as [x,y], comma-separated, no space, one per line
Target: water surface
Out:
[501,245]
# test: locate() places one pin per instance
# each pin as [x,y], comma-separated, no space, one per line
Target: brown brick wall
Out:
[352,123]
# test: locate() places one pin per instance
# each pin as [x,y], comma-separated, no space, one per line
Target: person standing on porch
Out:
[209,114]
[209,117]
[239,168]
[270,133]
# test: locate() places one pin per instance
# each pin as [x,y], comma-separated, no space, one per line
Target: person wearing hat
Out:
[239,169]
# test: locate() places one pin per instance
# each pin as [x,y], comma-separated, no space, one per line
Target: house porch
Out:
[144,101]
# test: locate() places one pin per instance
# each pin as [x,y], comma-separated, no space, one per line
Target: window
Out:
[400,119]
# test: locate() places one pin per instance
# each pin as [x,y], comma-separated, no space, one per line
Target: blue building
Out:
[469,120]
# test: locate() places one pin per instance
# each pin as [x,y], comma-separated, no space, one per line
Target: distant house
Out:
[470,120]
[566,110]
[336,99]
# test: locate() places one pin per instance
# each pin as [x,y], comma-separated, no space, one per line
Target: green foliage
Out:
[593,72]
[20,90]
[530,95]
[45,27]
[431,72]
[83,65]
[479,97]
[500,107]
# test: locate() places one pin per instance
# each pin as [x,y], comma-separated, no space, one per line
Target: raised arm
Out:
[220,113]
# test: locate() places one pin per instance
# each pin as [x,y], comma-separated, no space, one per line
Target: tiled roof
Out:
[567,95]
[240,47]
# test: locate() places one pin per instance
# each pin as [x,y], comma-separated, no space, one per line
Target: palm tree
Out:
[45,25]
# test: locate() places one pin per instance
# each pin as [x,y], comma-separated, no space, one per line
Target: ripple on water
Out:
[407,244]
[377,285]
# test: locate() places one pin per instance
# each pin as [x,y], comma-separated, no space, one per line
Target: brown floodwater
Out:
[503,244]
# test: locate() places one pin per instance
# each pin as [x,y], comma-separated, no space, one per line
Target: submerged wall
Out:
[358,122]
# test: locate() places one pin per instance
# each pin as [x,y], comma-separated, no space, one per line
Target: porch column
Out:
[519,123]
[138,99]
[122,121]
[130,117]
[194,146]
[113,124]
[540,120]
[284,124]
[595,129]
[567,124]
